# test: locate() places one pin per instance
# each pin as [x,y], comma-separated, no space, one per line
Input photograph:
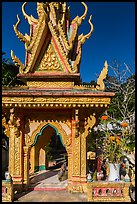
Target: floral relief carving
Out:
[50,61]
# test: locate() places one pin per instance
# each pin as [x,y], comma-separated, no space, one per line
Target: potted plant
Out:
[112,139]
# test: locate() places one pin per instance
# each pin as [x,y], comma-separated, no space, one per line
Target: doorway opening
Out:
[47,156]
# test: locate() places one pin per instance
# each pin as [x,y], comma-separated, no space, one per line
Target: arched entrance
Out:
[40,152]
[47,133]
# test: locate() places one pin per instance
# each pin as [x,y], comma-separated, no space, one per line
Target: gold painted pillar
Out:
[26,150]
[15,150]
[83,158]
[11,150]
[75,182]
[69,171]
[32,160]
[70,159]
[86,123]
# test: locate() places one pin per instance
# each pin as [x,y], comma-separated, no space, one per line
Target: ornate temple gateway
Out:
[53,100]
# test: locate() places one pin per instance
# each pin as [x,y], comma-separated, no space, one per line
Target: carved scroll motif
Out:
[5,126]
[50,62]
[89,123]
[17,156]
[14,122]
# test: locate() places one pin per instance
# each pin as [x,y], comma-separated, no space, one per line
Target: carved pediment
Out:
[50,61]
[54,21]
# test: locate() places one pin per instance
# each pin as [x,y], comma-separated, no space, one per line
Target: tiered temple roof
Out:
[53,56]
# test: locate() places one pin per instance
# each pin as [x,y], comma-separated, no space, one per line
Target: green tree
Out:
[9,73]
[122,106]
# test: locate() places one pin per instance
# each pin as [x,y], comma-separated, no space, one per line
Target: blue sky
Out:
[113,36]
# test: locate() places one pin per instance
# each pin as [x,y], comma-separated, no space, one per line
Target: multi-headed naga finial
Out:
[30,19]
[82,38]
[81,18]
[23,38]
[17,62]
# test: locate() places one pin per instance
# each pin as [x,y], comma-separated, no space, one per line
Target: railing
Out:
[7,191]
[102,191]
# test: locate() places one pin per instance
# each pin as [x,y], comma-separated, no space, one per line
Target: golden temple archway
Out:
[52,95]
[42,135]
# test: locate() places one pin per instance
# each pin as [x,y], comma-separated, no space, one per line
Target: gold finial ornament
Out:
[17,62]
[30,19]
[81,18]
[22,38]
[82,38]
[40,8]
[100,84]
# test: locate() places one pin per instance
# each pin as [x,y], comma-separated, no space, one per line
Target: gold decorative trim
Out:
[39,30]
[17,62]
[6,126]
[60,47]
[30,19]
[61,131]
[53,101]
[50,61]
[64,37]
[43,84]
[82,38]
[77,21]
[22,38]
[100,84]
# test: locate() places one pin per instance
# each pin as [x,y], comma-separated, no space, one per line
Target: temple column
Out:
[85,125]
[11,150]
[70,159]
[83,159]
[69,171]
[15,150]
[75,185]
[26,165]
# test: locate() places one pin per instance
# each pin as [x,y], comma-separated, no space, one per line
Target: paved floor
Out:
[51,196]
[45,187]
[47,179]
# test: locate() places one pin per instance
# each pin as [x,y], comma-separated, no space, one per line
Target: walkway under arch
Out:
[41,148]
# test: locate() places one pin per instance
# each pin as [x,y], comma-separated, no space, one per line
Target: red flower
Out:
[124,124]
[104,117]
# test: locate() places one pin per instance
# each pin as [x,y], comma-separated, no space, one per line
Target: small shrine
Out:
[53,101]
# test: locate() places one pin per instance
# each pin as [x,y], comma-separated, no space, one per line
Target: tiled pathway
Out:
[52,196]
[45,187]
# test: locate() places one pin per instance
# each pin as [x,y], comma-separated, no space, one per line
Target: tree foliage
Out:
[122,106]
[9,73]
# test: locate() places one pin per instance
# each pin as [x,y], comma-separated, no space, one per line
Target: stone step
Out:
[49,186]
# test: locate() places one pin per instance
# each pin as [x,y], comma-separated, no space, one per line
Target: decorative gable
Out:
[54,26]
[50,61]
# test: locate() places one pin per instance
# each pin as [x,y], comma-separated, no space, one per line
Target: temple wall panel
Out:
[17,166]
[32,160]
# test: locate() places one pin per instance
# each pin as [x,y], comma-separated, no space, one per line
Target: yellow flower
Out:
[112,138]
[118,140]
